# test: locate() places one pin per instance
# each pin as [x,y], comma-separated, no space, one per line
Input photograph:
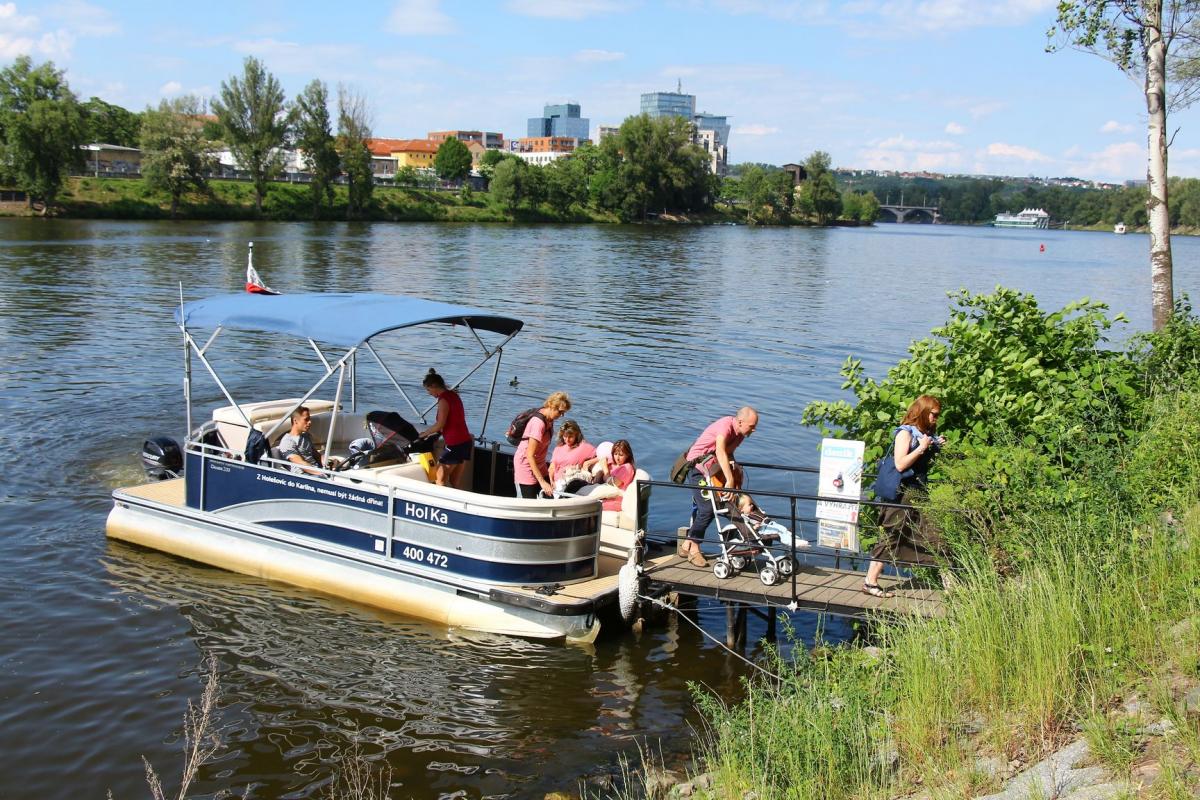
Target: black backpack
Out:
[516,428]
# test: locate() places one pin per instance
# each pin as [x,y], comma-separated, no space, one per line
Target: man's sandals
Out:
[875,590]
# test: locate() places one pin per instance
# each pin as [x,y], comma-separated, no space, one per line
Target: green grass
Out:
[1016,664]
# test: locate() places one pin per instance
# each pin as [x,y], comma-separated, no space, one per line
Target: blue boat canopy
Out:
[340,319]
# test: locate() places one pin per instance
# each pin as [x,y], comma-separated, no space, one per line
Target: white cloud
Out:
[296,58]
[1015,152]
[420,18]
[904,154]
[1112,126]
[594,56]
[756,130]
[571,9]
[84,18]
[170,88]
[1115,162]
[892,19]
[981,110]
[21,35]
[954,129]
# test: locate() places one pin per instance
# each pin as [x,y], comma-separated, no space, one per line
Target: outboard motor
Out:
[162,458]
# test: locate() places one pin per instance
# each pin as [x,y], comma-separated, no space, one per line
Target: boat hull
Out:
[366,579]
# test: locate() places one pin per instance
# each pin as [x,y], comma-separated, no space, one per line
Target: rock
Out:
[1101,791]
[703,781]
[1160,728]
[1054,776]
[559,796]
[750,795]
[1145,775]
[1191,700]
[1135,706]
[681,790]
[873,653]
[658,782]
[989,766]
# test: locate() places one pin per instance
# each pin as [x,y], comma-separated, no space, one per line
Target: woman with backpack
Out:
[451,423]
[530,468]
[907,535]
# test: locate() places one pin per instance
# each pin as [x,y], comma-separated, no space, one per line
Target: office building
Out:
[709,131]
[560,120]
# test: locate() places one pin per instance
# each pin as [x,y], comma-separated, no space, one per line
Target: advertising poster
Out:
[839,485]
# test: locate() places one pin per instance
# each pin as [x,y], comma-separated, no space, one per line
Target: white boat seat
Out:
[397,475]
[263,416]
[617,528]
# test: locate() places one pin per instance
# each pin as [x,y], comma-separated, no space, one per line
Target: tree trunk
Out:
[1162,296]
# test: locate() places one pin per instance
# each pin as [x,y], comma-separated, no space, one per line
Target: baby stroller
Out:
[748,537]
[392,438]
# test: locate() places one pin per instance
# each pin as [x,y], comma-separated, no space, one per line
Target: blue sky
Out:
[943,85]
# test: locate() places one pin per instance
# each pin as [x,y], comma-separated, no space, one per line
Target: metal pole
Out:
[487,409]
[795,533]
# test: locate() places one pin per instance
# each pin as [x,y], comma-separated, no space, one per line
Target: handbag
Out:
[888,479]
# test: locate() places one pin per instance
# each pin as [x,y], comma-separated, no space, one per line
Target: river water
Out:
[654,331]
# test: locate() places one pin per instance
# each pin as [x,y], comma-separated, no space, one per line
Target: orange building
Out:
[546,144]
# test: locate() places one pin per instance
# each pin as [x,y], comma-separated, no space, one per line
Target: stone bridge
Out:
[892,212]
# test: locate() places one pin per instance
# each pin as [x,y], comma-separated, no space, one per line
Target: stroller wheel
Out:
[722,569]
[768,575]
[738,563]
[786,566]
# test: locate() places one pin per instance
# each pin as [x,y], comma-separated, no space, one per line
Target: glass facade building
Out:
[562,119]
[714,122]
[669,104]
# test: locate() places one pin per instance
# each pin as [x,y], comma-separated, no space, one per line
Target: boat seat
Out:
[263,416]
[617,528]
[397,475]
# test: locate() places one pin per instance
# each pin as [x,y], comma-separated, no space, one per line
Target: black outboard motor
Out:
[162,458]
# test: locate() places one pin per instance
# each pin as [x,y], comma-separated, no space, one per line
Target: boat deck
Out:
[818,588]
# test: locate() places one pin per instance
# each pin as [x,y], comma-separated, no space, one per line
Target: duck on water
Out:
[374,529]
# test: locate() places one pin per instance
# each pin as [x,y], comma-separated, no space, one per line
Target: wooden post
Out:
[771,616]
[740,641]
[730,625]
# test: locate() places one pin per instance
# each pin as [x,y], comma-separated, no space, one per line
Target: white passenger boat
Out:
[1028,218]
[376,531]
[1119,227]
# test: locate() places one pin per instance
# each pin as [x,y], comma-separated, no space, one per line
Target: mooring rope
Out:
[715,640]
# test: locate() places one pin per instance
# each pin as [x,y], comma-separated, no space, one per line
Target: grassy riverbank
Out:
[119,198]
[1079,587]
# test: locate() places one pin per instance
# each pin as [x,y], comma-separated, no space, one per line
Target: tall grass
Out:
[1017,663]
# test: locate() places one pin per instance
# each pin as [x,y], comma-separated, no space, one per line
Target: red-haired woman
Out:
[907,535]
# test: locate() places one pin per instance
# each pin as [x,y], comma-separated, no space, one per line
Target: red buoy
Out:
[1042,248]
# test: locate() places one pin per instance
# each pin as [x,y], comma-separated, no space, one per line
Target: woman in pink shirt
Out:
[621,472]
[529,463]
[572,449]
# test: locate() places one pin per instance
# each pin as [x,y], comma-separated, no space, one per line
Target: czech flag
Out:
[254,284]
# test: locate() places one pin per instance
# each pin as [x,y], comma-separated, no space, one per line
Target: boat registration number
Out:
[422,556]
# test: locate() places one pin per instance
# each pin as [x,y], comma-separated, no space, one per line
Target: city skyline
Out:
[903,85]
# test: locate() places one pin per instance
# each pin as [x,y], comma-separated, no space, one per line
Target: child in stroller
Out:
[745,533]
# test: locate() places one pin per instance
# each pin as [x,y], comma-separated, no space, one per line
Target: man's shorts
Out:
[457,454]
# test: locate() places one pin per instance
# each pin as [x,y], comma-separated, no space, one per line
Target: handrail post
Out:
[795,533]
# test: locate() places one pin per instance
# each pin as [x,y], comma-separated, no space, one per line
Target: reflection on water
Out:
[653,331]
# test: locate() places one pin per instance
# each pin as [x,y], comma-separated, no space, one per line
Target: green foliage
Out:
[42,126]
[175,154]
[314,138]
[111,124]
[509,186]
[1170,358]
[1002,367]
[253,112]
[452,161]
[652,165]
[354,130]
[768,195]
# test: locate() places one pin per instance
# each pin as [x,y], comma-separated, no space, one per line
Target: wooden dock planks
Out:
[835,591]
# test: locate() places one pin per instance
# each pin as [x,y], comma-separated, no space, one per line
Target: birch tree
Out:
[1155,43]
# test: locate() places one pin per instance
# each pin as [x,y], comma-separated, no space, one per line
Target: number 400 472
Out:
[423,557]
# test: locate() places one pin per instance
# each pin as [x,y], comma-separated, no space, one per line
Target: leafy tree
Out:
[656,167]
[868,210]
[354,129]
[566,184]
[510,183]
[819,196]
[452,161]
[256,120]
[406,176]
[1149,40]
[489,160]
[314,138]
[175,153]
[41,128]
[111,124]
